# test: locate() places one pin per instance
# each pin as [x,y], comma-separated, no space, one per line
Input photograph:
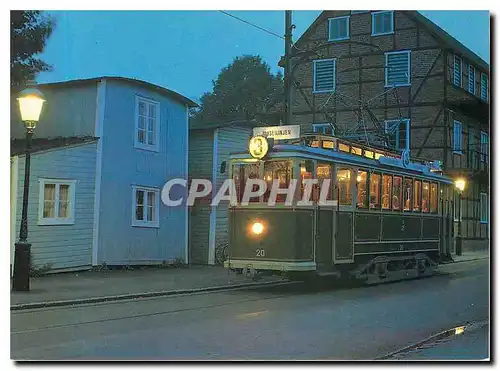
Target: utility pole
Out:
[288,69]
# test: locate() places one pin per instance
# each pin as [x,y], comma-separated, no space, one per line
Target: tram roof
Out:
[384,162]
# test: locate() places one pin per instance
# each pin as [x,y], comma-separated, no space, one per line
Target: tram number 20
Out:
[260,253]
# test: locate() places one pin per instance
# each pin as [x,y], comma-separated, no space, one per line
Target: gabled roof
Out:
[433,28]
[160,89]
[17,146]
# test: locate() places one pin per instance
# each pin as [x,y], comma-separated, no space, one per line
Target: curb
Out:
[142,295]
[468,260]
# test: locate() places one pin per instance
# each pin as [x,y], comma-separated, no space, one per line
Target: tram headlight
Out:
[257,228]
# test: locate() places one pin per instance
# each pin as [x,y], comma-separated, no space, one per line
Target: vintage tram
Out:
[390,220]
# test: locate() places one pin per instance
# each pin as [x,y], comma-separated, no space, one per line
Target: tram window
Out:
[378,155]
[425,197]
[329,144]
[344,186]
[362,182]
[281,170]
[434,198]
[343,147]
[356,150]
[397,193]
[315,143]
[386,191]
[242,172]
[324,171]
[408,188]
[369,154]
[417,195]
[374,191]
[305,173]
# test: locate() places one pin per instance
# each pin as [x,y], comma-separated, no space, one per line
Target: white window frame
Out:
[359,11]
[347,18]
[483,203]
[387,68]
[334,75]
[148,147]
[487,86]
[321,128]
[459,84]
[407,132]
[461,147]
[472,72]
[41,201]
[146,223]
[392,23]
[484,155]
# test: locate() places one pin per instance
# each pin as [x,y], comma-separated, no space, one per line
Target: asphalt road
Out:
[286,323]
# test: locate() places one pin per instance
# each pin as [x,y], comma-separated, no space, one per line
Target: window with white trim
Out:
[484,207]
[338,28]
[398,132]
[56,202]
[326,129]
[324,75]
[457,137]
[472,79]
[484,87]
[146,206]
[484,146]
[147,124]
[457,70]
[382,22]
[397,68]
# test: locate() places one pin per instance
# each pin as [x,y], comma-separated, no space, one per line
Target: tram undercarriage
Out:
[380,269]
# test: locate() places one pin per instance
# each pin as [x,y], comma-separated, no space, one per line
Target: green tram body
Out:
[336,238]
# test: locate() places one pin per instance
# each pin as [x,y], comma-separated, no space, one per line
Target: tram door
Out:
[325,216]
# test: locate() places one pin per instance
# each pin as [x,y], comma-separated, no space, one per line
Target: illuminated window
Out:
[324,171]
[434,199]
[375,191]
[306,169]
[242,172]
[425,197]
[281,171]
[369,154]
[397,193]
[328,144]
[344,186]
[356,151]
[417,195]
[408,188]
[378,155]
[386,191]
[343,147]
[362,182]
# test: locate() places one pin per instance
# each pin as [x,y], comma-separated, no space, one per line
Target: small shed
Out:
[209,149]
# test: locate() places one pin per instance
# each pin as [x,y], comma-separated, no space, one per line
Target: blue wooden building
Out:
[103,149]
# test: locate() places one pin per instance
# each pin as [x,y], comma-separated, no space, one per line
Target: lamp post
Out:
[460,186]
[30,104]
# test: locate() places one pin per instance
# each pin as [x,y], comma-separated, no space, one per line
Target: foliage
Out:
[244,90]
[40,270]
[29,31]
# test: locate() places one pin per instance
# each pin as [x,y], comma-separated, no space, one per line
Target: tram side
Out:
[379,211]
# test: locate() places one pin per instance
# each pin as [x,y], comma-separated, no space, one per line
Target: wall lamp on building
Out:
[460,184]
[30,104]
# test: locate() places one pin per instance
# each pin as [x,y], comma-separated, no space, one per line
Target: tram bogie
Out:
[381,218]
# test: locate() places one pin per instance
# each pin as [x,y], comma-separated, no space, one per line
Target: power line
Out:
[252,24]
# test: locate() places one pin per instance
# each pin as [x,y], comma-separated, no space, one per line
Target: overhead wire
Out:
[252,24]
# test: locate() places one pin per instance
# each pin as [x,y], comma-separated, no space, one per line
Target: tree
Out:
[29,31]
[245,89]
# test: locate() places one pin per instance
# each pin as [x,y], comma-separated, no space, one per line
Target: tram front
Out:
[270,229]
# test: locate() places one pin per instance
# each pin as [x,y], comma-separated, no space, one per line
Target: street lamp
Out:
[460,186]
[30,104]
